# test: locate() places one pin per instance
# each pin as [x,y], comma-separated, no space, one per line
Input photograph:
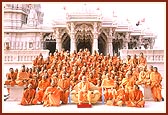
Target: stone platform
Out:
[16,93]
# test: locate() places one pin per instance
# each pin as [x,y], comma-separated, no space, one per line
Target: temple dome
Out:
[84,9]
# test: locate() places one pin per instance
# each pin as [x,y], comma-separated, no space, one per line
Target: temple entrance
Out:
[66,42]
[49,43]
[102,43]
[82,44]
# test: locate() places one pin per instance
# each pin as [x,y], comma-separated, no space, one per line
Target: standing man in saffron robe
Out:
[156,87]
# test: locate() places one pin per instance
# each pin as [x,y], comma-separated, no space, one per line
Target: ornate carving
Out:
[83,27]
[62,31]
[32,17]
[95,30]
[72,27]
[105,31]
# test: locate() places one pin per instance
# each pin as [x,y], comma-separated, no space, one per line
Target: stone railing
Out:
[22,56]
[150,54]
[154,57]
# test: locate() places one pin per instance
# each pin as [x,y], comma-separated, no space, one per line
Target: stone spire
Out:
[32,17]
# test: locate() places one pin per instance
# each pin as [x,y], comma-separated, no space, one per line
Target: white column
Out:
[95,45]
[140,40]
[58,44]
[58,39]
[73,44]
[126,40]
[41,41]
[73,41]
[110,46]
[95,39]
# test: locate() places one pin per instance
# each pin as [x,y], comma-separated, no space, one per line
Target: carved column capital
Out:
[72,27]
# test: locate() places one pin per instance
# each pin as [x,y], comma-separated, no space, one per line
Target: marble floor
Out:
[150,107]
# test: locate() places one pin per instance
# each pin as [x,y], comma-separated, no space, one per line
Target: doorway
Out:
[83,44]
[102,43]
[66,42]
[50,45]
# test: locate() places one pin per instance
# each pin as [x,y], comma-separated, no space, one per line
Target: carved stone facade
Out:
[85,28]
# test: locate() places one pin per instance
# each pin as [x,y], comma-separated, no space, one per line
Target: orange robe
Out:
[136,74]
[135,99]
[28,97]
[129,62]
[135,61]
[93,80]
[50,72]
[156,86]
[84,94]
[118,97]
[11,77]
[40,62]
[142,76]
[35,62]
[64,86]
[114,61]
[41,89]
[147,79]
[22,78]
[41,73]
[34,83]
[142,61]
[107,85]
[51,97]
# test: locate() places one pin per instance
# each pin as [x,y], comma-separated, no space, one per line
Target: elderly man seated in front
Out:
[85,92]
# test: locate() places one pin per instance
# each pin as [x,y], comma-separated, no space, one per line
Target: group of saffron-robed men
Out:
[50,81]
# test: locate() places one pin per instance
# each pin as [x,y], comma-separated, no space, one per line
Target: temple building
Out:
[25,35]
[76,29]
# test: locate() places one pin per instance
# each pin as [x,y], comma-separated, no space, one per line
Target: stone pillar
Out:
[73,41]
[110,46]
[41,41]
[95,43]
[140,41]
[125,41]
[58,44]
[58,39]
[111,36]
[95,39]
[73,44]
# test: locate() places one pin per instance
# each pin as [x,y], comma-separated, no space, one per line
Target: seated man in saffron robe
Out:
[22,77]
[135,98]
[84,91]
[42,85]
[28,96]
[11,77]
[64,85]
[107,84]
[118,95]
[52,95]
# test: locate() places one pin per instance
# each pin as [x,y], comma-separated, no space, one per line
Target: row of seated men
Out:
[65,71]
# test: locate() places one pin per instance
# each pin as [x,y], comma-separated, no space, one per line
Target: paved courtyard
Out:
[150,107]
